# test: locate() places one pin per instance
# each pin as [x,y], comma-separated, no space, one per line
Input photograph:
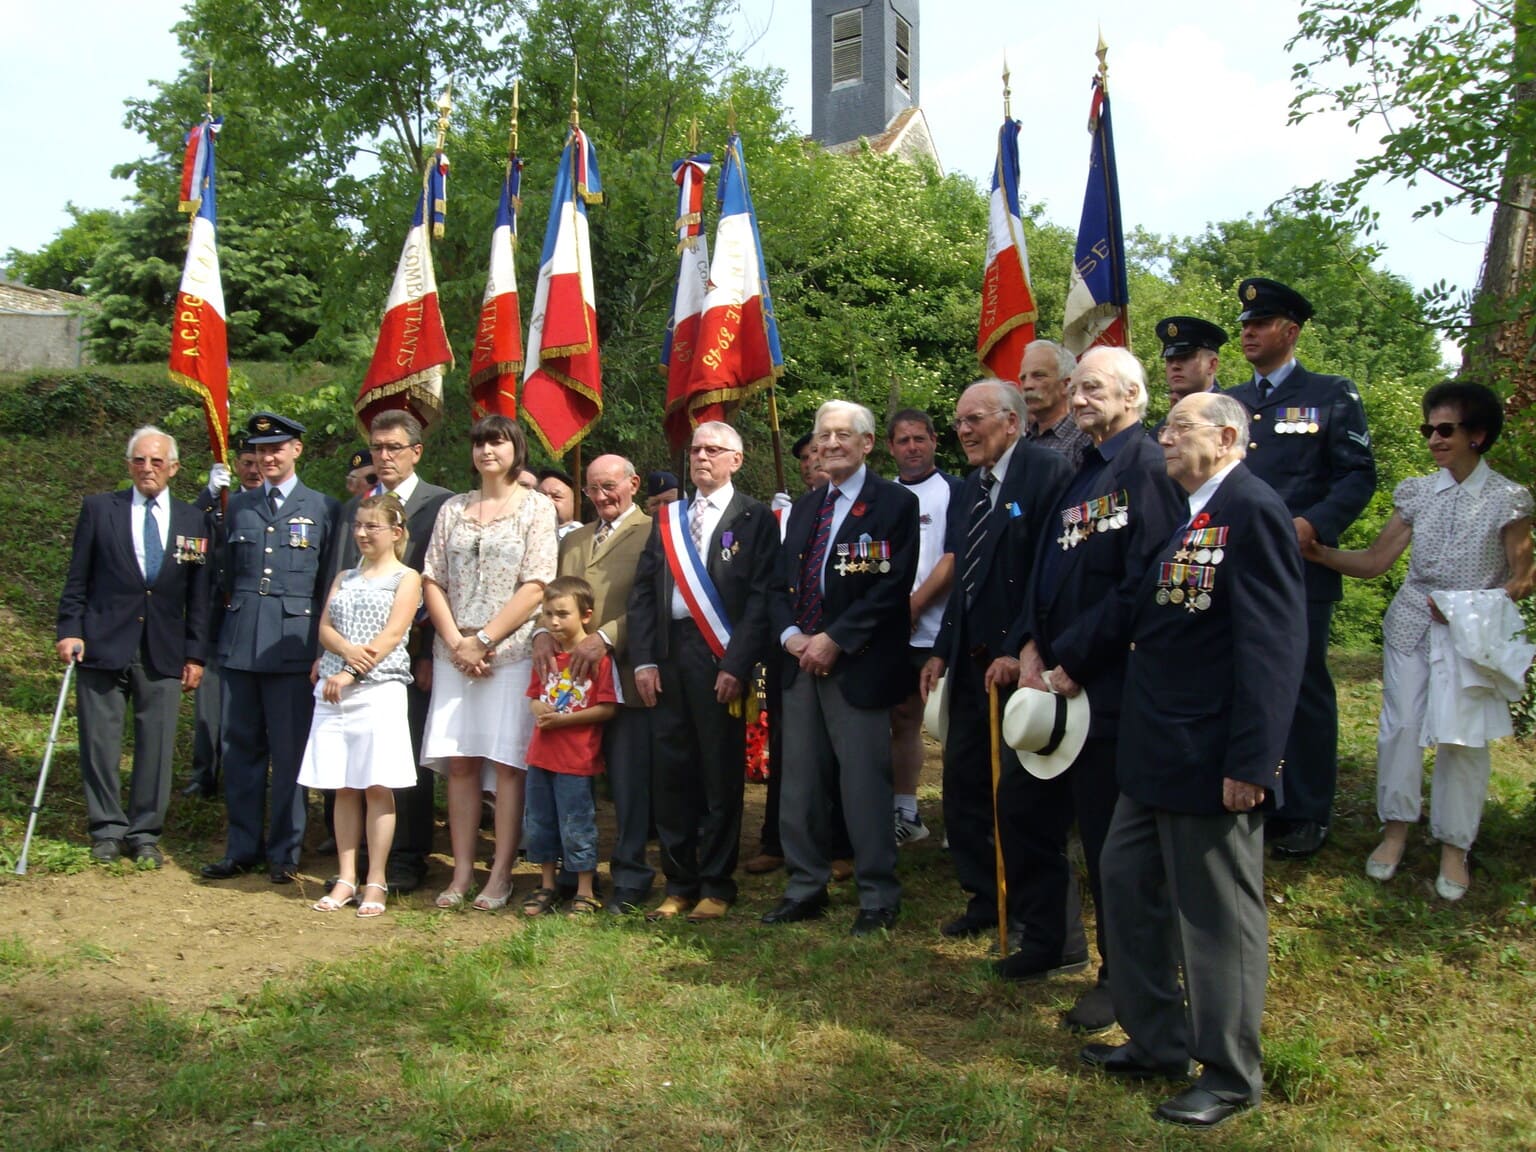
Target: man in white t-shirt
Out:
[913,440]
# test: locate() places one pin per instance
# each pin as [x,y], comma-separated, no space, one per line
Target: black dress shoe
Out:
[403,876]
[969,924]
[625,901]
[1304,839]
[281,873]
[225,869]
[793,911]
[872,920]
[1117,1060]
[1199,1108]
[200,789]
[1027,964]
[107,850]
[1093,1012]
[148,856]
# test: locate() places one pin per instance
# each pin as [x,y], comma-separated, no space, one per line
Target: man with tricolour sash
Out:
[698,623]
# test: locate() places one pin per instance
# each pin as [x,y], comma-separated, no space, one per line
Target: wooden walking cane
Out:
[995,730]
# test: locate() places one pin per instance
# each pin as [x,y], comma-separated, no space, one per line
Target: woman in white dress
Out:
[1471,529]
[492,552]
[360,741]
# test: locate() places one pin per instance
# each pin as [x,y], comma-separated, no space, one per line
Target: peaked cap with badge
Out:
[1263,298]
[270,428]
[1182,335]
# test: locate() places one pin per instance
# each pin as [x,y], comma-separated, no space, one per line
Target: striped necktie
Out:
[976,533]
[696,522]
[809,605]
[604,530]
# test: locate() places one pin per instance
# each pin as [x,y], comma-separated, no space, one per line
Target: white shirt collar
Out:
[405,489]
[717,500]
[162,502]
[1000,469]
[851,487]
[1472,485]
[1201,496]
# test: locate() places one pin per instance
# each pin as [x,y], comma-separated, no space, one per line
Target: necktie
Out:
[696,523]
[976,532]
[1265,387]
[274,500]
[604,529]
[154,550]
[809,605]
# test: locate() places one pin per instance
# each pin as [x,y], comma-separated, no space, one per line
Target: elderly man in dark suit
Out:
[1211,681]
[998,520]
[395,445]
[1308,441]
[281,539]
[1117,511]
[605,553]
[134,614]
[840,611]
[698,624]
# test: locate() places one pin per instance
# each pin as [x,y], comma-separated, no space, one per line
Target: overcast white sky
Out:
[1200,88]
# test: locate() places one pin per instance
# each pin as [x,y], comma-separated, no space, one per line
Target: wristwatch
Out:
[485,639]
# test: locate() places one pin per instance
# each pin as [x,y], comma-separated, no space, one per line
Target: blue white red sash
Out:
[692,577]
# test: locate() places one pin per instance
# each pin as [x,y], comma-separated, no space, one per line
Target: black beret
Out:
[360,459]
[801,445]
[658,482]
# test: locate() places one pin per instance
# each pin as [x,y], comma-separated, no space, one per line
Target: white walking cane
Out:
[42,777]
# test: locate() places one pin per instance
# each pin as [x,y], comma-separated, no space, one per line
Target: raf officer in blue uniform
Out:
[1308,440]
[279,544]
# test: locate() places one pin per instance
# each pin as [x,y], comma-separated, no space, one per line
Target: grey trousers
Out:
[101,699]
[822,730]
[1187,892]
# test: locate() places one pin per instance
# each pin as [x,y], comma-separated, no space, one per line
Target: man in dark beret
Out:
[1308,440]
[660,488]
[362,478]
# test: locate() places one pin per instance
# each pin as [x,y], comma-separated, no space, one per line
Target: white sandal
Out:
[370,908]
[329,903]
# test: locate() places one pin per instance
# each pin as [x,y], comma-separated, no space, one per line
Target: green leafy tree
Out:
[64,263]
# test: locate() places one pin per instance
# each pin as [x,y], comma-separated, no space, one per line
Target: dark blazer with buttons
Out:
[1016,529]
[866,614]
[107,603]
[1327,476]
[1210,694]
[277,573]
[743,583]
[1084,623]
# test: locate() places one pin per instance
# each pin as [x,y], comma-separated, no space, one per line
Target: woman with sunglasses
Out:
[1471,529]
[491,554]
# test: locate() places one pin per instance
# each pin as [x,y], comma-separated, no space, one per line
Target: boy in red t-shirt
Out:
[566,750]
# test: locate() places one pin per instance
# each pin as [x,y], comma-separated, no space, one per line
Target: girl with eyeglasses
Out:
[360,740]
[1471,529]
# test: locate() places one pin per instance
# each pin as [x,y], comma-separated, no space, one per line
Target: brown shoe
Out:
[842,870]
[708,909]
[763,863]
[669,908]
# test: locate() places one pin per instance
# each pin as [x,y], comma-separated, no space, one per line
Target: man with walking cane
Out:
[134,614]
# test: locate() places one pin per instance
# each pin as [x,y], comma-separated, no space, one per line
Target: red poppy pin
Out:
[858,509]
[1199,522]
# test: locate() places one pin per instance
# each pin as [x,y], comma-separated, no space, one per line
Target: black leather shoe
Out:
[1199,1108]
[1304,839]
[225,869]
[625,902]
[969,924]
[1030,965]
[1093,1012]
[872,920]
[280,874]
[107,850]
[793,911]
[1116,1060]
[200,789]
[148,856]
[404,876]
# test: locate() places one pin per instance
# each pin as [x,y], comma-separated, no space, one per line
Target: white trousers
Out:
[1461,774]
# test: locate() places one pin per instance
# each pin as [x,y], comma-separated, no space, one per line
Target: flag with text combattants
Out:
[1007,300]
[498,355]
[412,352]
[563,374]
[199,336]
[1097,296]
[737,350]
[680,343]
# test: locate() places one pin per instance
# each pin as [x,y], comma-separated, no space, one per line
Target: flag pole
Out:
[224,491]
[1102,52]
[575,124]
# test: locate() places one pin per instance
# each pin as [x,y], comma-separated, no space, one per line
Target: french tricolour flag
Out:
[1098,296]
[498,354]
[1007,301]
[563,375]
[199,340]
[412,352]
[737,351]
[680,343]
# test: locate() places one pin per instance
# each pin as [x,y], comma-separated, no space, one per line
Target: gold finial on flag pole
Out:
[1007,91]
[1101,52]
[512,136]
[209,101]
[444,106]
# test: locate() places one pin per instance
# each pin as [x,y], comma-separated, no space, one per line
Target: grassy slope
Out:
[1394,1020]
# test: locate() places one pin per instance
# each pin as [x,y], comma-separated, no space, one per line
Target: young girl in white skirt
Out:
[360,740]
